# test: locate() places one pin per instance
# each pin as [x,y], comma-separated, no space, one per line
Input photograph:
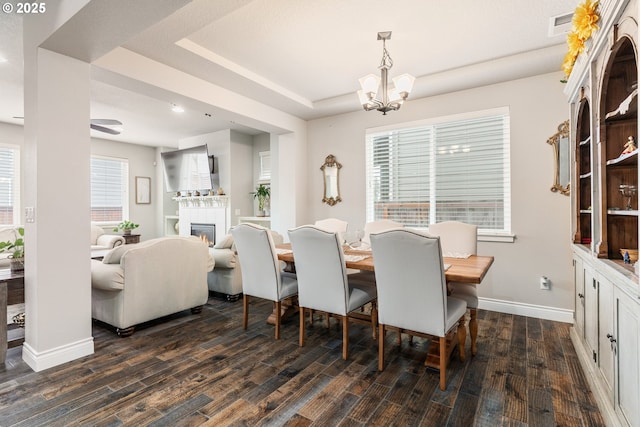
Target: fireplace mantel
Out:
[202,201]
[204,209]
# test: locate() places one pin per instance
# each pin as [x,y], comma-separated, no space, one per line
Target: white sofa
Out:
[144,281]
[225,281]
[102,241]
[7,234]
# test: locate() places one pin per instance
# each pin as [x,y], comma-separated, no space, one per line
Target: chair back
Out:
[378,226]
[258,261]
[411,283]
[458,239]
[321,270]
[334,225]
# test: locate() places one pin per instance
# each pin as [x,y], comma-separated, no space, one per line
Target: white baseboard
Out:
[56,356]
[524,309]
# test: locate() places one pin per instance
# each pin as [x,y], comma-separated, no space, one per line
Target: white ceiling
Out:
[305,57]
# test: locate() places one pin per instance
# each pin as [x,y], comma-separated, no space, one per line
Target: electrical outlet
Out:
[545,283]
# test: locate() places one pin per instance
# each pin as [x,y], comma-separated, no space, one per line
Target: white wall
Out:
[142,162]
[540,218]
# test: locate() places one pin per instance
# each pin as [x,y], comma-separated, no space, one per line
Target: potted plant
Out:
[126,226]
[17,249]
[262,193]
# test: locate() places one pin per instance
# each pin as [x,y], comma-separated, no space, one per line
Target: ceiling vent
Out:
[560,24]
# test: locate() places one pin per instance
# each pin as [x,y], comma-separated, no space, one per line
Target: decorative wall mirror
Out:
[330,175]
[560,143]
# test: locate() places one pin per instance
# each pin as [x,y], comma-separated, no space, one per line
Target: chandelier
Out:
[392,96]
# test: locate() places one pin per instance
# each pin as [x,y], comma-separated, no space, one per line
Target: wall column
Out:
[56,186]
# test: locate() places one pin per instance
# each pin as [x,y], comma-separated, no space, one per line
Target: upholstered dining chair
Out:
[460,240]
[261,273]
[412,291]
[334,225]
[378,226]
[323,283]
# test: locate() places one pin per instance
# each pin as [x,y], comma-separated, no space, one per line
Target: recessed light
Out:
[176,108]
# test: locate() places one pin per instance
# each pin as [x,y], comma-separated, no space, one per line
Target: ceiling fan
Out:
[101,125]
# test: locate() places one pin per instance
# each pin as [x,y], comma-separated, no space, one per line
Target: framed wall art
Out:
[143,190]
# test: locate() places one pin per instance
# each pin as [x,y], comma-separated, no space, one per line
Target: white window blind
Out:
[445,171]
[9,185]
[109,195]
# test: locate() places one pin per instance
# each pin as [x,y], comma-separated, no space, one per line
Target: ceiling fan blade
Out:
[104,129]
[108,122]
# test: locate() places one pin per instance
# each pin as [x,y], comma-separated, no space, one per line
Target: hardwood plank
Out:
[435,416]
[190,370]
[369,402]
[333,414]
[385,415]
[540,408]
[516,400]
[464,410]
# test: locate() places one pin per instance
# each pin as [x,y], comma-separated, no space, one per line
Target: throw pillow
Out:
[225,243]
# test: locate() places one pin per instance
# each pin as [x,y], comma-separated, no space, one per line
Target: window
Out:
[9,185]
[109,195]
[451,169]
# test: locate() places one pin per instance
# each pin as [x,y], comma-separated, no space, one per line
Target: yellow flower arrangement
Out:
[584,22]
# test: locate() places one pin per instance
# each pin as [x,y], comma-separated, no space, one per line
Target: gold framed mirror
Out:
[331,178]
[560,143]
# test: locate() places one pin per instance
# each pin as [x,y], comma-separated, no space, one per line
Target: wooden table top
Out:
[466,270]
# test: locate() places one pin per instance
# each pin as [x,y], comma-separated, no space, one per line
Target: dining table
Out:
[471,269]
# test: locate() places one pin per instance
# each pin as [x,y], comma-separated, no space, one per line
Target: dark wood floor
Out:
[205,370]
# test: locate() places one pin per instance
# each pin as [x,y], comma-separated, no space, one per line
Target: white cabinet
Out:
[606,333]
[627,342]
[603,93]
[591,312]
[578,315]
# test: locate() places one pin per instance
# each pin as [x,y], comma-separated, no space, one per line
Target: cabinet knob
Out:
[611,338]
[581,295]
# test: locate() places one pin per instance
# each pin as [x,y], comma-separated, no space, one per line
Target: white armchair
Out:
[460,240]
[144,281]
[334,225]
[378,226]
[412,291]
[323,283]
[102,241]
[261,273]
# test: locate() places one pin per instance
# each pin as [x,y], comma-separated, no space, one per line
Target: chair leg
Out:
[345,337]
[278,318]
[473,329]
[328,320]
[462,337]
[301,339]
[443,363]
[245,313]
[381,334]
[374,318]
[399,337]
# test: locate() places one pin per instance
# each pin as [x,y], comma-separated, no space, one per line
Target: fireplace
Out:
[206,232]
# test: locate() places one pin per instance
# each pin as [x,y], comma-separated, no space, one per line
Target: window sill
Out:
[501,238]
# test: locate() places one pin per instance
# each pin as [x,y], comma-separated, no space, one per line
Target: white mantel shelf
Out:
[202,201]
